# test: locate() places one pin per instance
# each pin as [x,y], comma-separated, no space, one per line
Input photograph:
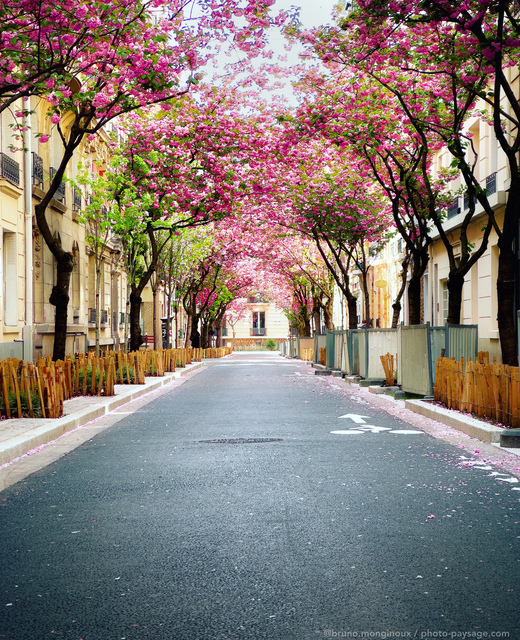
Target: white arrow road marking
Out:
[350,431]
[370,428]
[357,419]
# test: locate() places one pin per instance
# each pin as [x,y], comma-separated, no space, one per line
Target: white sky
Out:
[313,13]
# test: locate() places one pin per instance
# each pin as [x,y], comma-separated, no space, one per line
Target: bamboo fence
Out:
[218,352]
[388,365]
[323,356]
[38,390]
[488,390]
[307,355]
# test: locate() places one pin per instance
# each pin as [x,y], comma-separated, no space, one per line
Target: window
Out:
[445,298]
[258,323]
[10,280]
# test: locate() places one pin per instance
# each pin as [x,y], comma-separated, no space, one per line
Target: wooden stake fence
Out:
[323,356]
[307,355]
[39,390]
[218,352]
[486,390]
[388,365]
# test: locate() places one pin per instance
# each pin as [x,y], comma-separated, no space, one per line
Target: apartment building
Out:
[28,266]
[262,321]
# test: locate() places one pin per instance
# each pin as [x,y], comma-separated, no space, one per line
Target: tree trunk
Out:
[366,300]
[194,334]
[60,299]
[218,335]
[397,307]
[97,285]
[187,337]
[414,299]
[455,284]
[154,316]
[204,337]
[327,314]
[507,272]
[352,311]
[507,265]
[136,337]
[317,320]
[307,326]
[168,320]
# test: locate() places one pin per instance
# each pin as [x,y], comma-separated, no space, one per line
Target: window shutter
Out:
[7,131]
[10,280]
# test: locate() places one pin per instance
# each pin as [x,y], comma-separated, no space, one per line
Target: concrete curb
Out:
[21,436]
[465,423]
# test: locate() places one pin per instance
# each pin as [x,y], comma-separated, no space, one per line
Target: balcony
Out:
[259,298]
[37,170]
[103,316]
[9,169]
[466,200]
[491,184]
[60,193]
[258,331]
[453,208]
[77,200]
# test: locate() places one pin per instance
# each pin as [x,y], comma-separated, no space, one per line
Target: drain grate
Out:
[240,440]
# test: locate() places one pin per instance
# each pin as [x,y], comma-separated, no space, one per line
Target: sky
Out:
[313,13]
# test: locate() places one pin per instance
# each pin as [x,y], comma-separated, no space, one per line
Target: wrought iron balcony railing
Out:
[453,208]
[9,169]
[258,331]
[491,184]
[77,199]
[37,170]
[60,193]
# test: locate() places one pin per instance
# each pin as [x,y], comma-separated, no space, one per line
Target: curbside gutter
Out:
[19,436]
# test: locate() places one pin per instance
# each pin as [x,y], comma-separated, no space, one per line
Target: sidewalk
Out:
[19,436]
[464,422]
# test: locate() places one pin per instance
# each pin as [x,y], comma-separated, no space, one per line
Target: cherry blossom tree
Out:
[93,62]
[455,52]
[184,168]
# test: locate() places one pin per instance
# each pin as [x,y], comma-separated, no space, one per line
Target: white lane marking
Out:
[256,364]
[353,416]
[405,431]
[348,432]
[372,429]
[496,475]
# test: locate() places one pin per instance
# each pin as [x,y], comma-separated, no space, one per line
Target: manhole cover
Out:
[240,440]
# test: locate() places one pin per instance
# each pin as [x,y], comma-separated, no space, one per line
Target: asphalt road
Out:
[148,532]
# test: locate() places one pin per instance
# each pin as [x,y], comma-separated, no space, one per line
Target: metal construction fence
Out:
[415,349]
